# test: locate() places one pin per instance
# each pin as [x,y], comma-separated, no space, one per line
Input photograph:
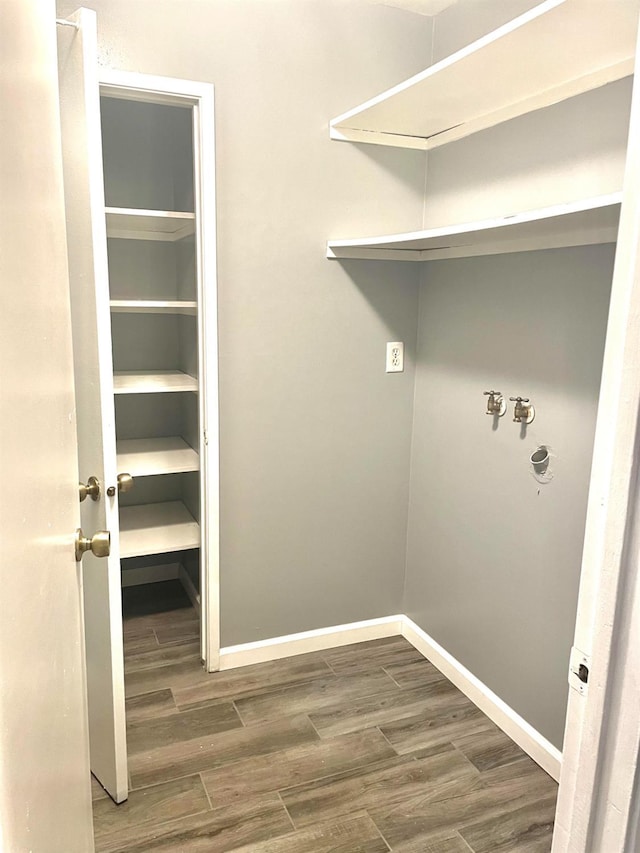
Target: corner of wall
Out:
[426,153]
[421,280]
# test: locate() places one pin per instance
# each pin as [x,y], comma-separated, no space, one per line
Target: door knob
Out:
[99,544]
[91,488]
[125,484]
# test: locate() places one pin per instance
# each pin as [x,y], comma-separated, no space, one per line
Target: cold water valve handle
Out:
[496,404]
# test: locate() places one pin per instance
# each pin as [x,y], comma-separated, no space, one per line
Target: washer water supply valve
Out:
[523,411]
[496,404]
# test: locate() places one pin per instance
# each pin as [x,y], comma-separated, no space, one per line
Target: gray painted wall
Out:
[566,152]
[493,557]
[573,150]
[315,437]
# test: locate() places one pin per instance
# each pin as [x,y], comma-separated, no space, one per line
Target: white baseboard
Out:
[518,729]
[150,574]
[309,641]
[529,739]
[189,588]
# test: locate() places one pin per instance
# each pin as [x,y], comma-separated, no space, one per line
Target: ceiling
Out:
[422,7]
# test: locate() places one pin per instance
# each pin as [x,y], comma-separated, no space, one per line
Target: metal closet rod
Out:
[61,22]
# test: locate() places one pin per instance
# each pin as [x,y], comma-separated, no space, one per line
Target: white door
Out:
[87,251]
[45,801]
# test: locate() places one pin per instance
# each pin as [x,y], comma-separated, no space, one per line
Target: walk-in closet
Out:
[354,408]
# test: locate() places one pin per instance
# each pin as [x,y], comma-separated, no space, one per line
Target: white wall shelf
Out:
[133,224]
[153,306]
[152,382]
[144,457]
[157,529]
[580,223]
[556,50]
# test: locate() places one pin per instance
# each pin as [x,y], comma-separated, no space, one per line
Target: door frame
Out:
[599,796]
[200,98]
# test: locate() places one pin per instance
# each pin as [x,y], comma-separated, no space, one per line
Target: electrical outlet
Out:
[395,357]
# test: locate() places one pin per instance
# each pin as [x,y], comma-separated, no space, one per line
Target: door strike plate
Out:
[579,668]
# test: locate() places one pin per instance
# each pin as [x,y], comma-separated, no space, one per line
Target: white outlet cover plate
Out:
[395,357]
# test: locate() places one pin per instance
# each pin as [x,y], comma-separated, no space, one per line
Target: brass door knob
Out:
[99,544]
[125,484]
[91,488]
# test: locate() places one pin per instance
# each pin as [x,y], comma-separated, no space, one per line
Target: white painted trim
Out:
[512,724]
[189,588]
[599,797]
[132,86]
[149,574]
[200,97]
[276,648]
[206,249]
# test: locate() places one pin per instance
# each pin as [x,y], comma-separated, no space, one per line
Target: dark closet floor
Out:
[361,749]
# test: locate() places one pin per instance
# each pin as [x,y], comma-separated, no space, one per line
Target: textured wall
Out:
[493,561]
[314,436]
[494,556]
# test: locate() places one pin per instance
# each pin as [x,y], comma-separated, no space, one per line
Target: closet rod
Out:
[62,23]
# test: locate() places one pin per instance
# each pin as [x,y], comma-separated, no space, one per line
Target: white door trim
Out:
[598,801]
[198,96]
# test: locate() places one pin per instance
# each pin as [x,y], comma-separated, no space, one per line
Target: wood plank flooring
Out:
[362,749]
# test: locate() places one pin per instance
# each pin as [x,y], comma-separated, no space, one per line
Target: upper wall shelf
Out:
[129,223]
[554,51]
[153,306]
[580,223]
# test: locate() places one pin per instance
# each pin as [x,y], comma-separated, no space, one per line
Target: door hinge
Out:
[579,669]
[206,436]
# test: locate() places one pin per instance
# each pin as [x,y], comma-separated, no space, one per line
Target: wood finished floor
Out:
[361,749]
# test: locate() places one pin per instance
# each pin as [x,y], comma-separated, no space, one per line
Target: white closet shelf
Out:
[143,457]
[152,382]
[157,529]
[153,306]
[556,50]
[581,223]
[130,223]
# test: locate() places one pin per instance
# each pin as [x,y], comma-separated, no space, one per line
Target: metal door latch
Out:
[579,667]
[125,484]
